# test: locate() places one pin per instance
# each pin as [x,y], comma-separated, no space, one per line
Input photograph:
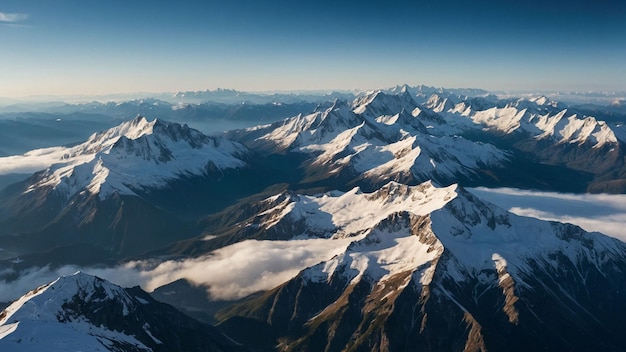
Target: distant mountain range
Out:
[210,111]
[448,138]
[417,263]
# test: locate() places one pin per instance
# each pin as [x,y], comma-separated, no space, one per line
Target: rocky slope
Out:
[449,273]
[83,312]
[114,189]
[411,136]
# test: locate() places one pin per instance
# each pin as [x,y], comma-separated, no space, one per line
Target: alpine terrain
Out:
[352,223]
[83,312]
[106,192]
[438,269]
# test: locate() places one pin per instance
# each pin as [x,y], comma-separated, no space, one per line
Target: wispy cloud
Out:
[32,161]
[605,213]
[228,273]
[6,17]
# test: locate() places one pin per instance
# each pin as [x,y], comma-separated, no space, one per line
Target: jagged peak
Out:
[127,157]
[539,103]
[381,103]
[48,300]
[173,131]
[542,100]
[285,196]
[476,233]
[81,312]
[392,190]
[81,281]
[440,102]
[139,127]
[471,210]
[399,89]
[135,128]
[365,99]
[332,214]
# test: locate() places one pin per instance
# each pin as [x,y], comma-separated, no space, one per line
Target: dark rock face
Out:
[120,319]
[445,316]
[173,330]
[554,303]
[119,225]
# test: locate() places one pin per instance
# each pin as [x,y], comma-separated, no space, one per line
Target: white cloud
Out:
[33,161]
[231,272]
[12,17]
[234,271]
[605,213]
[612,225]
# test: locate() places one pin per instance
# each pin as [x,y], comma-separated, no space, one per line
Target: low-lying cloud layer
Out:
[237,270]
[605,213]
[229,273]
[33,161]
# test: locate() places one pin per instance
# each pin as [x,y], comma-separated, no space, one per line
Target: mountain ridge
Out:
[85,312]
[479,263]
[104,192]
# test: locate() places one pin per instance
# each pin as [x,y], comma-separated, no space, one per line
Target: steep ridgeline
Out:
[104,192]
[544,129]
[288,216]
[442,270]
[85,313]
[138,154]
[411,136]
[376,138]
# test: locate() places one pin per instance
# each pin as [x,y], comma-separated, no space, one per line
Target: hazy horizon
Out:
[598,96]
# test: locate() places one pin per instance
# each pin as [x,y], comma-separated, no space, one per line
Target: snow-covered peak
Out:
[410,233]
[572,129]
[480,235]
[318,127]
[346,214]
[137,128]
[543,100]
[401,89]
[378,103]
[137,154]
[55,316]
[440,103]
[131,129]
[381,137]
[391,250]
[81,312]
[540,104]
[49,302]
[526,116]
[134,128]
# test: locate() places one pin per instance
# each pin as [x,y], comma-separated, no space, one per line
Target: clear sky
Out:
[60,47]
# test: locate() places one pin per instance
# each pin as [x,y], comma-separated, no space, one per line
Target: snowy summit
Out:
[137,154]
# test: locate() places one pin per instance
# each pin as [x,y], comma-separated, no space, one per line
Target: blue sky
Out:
[60,47]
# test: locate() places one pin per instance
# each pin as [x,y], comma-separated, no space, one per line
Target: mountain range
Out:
[410,259]
[439,269]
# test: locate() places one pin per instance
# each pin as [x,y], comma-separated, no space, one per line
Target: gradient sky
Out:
[61,47]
